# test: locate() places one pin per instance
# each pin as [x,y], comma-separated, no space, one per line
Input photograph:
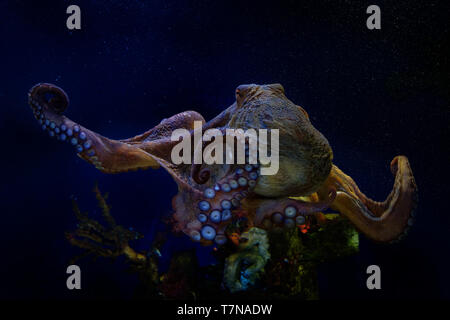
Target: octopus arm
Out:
[148,150]
[381,221]
[288,212]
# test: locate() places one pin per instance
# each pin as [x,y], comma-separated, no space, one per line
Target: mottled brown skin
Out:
[305,155]
[305,168]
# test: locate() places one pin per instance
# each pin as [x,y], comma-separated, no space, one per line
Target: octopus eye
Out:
[241,92]
[277,87]
[239,98]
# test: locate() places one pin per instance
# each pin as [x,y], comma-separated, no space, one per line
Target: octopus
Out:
[211,198]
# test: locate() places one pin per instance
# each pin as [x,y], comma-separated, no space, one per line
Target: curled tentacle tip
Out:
[51,96]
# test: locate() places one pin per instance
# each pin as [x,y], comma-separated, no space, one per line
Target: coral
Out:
[112,241]
[244,268]
[179,282]
[293,272]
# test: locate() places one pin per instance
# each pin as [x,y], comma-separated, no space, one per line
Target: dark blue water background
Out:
[373,94]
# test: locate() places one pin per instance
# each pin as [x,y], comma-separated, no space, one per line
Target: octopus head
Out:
[305,156]
[250,95]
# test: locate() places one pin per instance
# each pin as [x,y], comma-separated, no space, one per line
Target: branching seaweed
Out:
[108,240]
